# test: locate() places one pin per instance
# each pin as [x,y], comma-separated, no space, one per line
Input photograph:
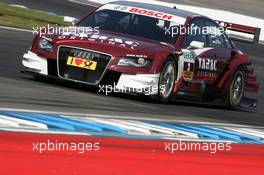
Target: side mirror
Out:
[71,20]
[196,45]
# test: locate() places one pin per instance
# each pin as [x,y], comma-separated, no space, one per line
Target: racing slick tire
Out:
[167,80]
[236,89]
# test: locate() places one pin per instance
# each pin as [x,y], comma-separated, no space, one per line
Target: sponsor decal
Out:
[48,39]
[114,41]
[81,63]
[207,64]
[151,13]
[188,63]
[137,56]
[107,40]
[216,41]
[121,8]
[188,54]
[207,68]
[188,69]
[203,74]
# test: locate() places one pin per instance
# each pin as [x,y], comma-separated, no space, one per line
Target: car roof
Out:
[160,8]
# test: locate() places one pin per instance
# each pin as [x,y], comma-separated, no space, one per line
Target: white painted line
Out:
[20,6]
[4,122]
[155,127]
[123,126]
[36,131]
[25,122]
[141,125]
[17,29]
[247,131]
[83,3]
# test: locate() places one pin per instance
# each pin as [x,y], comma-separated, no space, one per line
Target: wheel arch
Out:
[161,59]
[238,62]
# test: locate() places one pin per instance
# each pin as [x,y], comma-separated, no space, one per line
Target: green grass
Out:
[23,18]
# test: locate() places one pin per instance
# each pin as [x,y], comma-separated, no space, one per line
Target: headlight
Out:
[134,62]
[45,44]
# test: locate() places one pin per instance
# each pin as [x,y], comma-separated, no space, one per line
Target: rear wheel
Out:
[167,81]
[236,89]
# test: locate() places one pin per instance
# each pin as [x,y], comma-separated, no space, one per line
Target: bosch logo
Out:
[151,13]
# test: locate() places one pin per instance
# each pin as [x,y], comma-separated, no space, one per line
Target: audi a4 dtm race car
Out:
[153,50]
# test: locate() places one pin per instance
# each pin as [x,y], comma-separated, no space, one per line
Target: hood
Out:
[112,43]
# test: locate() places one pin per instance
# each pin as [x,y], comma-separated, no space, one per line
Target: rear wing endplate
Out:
[241,32]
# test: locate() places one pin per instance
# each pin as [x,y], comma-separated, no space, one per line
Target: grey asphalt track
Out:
[21,91]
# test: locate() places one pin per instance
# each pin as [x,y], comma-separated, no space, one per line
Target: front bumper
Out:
[126,83]
[34,63]
[139,83]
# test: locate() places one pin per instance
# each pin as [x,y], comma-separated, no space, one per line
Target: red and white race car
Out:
[146,49]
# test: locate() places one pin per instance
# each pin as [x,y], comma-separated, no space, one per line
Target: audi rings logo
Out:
[85,54]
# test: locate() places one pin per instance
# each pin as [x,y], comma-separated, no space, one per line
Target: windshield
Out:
[132,24]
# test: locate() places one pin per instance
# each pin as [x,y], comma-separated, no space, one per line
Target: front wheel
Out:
[236,89]
[167,81]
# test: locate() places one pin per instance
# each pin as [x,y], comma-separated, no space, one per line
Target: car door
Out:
[205,52]
[211,64]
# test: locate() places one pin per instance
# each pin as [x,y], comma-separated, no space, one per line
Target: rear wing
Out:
[241,32]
